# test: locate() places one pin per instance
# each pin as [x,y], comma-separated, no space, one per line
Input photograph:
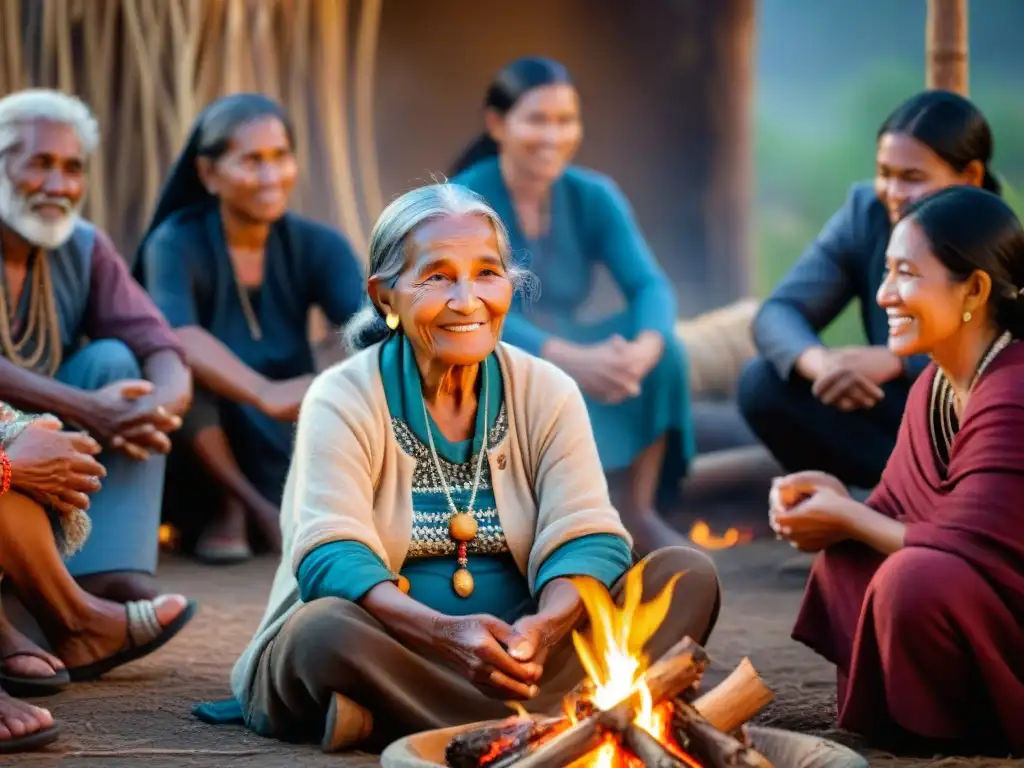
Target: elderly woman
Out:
[918,595]
[46,478]
[443,489]
[568,221]
[236,274]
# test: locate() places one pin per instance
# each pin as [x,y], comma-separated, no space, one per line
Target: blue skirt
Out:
[663,407]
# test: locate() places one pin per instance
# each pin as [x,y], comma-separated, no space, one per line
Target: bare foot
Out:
[18,718]
[267,519]
[224,538]
[120,586]
[107,633]
[23,658]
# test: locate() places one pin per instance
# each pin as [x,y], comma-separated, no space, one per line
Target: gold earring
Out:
[967,317]
[392,321]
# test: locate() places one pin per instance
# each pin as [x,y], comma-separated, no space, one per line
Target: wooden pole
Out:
[946,45]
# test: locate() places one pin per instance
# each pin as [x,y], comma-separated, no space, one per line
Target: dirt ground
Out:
[140,714]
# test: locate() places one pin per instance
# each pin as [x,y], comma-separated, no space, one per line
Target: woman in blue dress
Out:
[565,221]
[236,274]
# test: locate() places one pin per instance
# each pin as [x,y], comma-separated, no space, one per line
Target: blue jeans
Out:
[126,512]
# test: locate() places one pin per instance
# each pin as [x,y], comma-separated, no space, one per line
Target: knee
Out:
[760,392]
[110,361]
[698,577]
[916,588]
[318,631]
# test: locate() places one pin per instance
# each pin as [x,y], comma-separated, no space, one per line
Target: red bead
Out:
[5,464]
[462,549]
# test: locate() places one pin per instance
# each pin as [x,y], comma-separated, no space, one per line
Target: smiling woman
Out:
[236,274]
[918,595]
[444,486]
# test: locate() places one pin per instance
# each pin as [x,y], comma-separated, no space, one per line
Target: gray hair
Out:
[51,106]
[388,239]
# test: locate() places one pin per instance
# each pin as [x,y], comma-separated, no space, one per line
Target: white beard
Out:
[16,211]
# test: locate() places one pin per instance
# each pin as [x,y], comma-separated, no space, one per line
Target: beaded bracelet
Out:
[5,465]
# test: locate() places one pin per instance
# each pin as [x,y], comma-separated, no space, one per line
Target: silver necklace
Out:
[480,459]
[462,526]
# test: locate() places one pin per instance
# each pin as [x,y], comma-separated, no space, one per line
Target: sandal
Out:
[30,741]
[145,635]
[28,687]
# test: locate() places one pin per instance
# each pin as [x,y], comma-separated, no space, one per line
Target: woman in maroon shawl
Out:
[917,596]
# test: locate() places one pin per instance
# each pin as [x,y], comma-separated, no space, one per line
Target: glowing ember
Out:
[701,535]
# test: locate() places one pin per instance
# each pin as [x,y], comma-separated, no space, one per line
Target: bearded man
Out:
[80,339]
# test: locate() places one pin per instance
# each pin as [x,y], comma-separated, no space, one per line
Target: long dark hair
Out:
[951,126]
[973,229]
[210,137]
[508,86]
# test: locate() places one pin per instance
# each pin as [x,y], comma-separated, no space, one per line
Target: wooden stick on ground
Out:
[736,700]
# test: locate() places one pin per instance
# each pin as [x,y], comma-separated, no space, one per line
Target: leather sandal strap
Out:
[143,625]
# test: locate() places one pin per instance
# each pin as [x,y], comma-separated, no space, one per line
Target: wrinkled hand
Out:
[281,400]
[474,646]
[56,468]
[818,521]
[124,416]
[850,378]
[534,636]
[602,371]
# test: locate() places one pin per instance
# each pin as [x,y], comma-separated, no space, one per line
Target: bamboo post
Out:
[946,45]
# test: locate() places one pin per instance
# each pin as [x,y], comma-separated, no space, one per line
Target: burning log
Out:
[680,667]
[649,749]
[734,702]
[711,746]
[492,746]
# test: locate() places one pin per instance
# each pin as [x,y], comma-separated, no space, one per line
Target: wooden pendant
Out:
[463,582]
[462,527]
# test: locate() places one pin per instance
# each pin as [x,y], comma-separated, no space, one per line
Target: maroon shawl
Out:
[974,508]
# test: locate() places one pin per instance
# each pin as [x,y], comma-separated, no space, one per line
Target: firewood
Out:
[648,749]
[566,746]
[497,742]
[736,700]
[680,667]
[712,747]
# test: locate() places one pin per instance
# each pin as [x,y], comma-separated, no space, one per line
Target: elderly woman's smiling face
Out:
[454,293]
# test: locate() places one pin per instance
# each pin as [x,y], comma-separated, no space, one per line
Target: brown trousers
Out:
[333,645]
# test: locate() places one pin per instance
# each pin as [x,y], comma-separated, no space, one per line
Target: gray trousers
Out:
[333,645]
[126,512]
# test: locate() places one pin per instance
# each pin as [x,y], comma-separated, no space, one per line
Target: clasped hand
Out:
[504,660]
[127,416]
[810,510]
[57,469]
[614,370]
[851,377]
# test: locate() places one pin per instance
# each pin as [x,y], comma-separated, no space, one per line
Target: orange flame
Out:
[612,655]
[701,535]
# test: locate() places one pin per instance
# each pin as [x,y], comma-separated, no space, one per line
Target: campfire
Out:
[628,713]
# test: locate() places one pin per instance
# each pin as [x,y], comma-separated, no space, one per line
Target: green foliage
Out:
[804,172]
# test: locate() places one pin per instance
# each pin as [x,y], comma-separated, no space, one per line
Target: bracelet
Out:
[5,464]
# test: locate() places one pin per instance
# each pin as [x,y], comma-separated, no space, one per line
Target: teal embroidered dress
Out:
[349,569]
[592,224]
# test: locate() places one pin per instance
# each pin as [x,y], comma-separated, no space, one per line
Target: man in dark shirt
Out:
[81,339]
[833,409]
